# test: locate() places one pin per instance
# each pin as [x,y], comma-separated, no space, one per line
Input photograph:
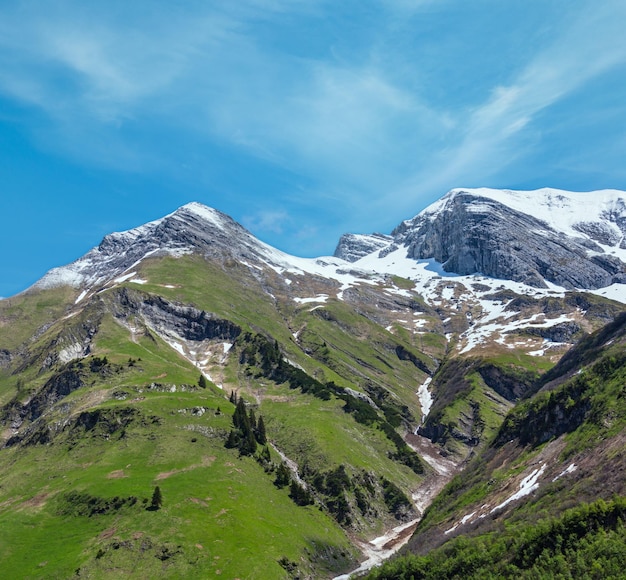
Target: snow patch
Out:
[81,296]
[526,487]
[570,469]
[125,277]
[381,548]
[425,399]
[318,298]
[463,521]
[206,213]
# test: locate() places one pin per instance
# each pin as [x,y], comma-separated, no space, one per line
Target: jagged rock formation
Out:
[352,247]
[470,233]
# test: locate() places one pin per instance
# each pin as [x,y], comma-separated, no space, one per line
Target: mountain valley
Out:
[457,378]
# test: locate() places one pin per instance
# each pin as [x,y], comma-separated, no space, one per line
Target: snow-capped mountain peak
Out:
[208,214]
[192,227]
[572,239]
[563,211]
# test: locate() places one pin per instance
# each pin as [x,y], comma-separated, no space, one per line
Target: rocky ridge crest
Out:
[478,231]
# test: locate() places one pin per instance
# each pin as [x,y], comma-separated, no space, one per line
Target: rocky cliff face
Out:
[352,247]
[473,234]
[574,240]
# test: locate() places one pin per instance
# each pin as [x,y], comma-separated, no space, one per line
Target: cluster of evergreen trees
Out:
[334,488]
[297,492]
[247,431]
[265,358]
[588,541]
[246,434]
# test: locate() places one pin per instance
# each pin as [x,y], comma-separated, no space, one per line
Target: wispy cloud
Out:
[500,130]
[112,78]
[206,69]
[267,221]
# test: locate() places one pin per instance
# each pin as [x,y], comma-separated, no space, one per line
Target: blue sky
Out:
[302,119]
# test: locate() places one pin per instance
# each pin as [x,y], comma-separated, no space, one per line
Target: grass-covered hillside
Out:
[110,397]
[209,412]
[547,497]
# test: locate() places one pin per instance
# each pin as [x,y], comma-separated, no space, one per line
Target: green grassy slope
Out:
[98,433]
[572,524]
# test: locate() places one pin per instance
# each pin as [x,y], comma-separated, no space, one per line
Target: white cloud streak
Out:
[347,123]
[591,45]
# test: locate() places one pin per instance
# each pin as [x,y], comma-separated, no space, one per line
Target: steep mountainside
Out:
[289,410]
[546,498]
[530,237]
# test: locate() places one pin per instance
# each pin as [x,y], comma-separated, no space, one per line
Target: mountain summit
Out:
[573,240]
[193,228]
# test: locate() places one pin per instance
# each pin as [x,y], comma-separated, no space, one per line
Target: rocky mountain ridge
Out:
[538,237]
[191,228]
[379,375]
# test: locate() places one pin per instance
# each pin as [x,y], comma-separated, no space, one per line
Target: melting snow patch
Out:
[425,398]
[570,469]
[463,521]
[340,293]
[526,487]
[175,345]
[251,266]
[81,296]
[318,298]
[125,277]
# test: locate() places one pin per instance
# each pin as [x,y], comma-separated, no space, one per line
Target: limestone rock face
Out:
[472,234]
[353,247]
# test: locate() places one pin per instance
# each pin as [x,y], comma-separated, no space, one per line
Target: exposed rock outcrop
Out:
[353,247]
[169,318]
[471,234]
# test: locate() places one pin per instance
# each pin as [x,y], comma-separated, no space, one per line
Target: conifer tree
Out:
[248,443]
[157,499]
[283,477]
[265,454]
[233,439]
[260,434]
[299,494]
[202,382]
[240,417]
